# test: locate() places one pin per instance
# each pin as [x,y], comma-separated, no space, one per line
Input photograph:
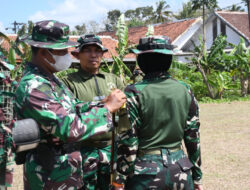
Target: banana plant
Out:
[206,62]
[119,67]
[239,62]
[16,48]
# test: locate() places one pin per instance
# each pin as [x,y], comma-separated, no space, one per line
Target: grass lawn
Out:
[225,142]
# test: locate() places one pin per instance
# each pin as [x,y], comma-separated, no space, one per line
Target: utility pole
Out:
[16,26]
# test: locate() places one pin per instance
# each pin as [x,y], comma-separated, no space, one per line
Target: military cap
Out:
[50,34]
[154,44]
[89,39]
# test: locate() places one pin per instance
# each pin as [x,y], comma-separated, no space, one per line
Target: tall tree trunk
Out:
[244,85]
[203,74]
[203,27]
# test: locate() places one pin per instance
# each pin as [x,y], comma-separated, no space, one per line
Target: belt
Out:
[156,151]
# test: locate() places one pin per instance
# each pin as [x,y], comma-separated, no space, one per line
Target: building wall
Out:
[232,36]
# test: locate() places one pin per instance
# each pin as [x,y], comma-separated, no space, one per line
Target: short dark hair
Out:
[154,62]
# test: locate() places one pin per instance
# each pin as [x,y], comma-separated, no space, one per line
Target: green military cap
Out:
[154,44]
[50,34]
[89,39]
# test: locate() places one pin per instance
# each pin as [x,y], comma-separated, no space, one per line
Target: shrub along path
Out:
[225,134]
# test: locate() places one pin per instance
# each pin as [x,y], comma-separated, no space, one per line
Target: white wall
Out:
[209,34]
[232,36]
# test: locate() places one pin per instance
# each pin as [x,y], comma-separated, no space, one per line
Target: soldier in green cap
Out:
[6,123]
[64,121]
[89,83]
[163,112]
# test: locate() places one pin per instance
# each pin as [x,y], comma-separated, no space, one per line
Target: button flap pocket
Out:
[185,164]
[146,168]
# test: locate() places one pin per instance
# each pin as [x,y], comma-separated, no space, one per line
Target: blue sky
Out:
[73,12]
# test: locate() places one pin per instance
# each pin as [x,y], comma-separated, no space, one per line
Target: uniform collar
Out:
[157,75]
[85,75]
[40,71]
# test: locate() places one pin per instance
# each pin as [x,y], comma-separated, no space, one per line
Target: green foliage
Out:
[16,48]
[161,13]
[236,8]
[187,11]
[61,74]
[209,4]
[118,67]
[79,30]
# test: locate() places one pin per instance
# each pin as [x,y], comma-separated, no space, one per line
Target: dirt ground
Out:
[225,142]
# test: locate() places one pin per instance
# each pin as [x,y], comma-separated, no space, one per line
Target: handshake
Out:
[115,100]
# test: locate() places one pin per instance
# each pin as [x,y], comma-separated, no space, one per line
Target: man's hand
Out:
[198,187]
[115,100]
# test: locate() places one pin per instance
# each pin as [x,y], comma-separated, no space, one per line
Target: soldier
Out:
[89,83]
[162,113]
[64,121]
[137,75]
[6,122]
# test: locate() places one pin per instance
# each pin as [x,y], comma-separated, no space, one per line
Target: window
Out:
[214,28]
[223,28]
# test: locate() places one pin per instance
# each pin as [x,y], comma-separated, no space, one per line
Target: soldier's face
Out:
[90,57]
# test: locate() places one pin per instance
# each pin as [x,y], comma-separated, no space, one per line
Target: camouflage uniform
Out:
[162,113]
[6,121]
[96,152]
[63,119]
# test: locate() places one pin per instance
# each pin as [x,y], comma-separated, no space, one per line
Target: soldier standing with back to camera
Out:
[89,83]
[64,120]
[162,113]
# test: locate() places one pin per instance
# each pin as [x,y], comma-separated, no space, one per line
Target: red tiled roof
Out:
[109,39]
[171,29]
[239,20]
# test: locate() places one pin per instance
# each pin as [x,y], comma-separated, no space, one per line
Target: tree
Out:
[161,13]
[239,62]
[247,3]
[79,30]
[26,29]
[187,11]
[140,16]
[93,27]
[205,62]
[118,67]
[203,4]
[112,19]
[236,8]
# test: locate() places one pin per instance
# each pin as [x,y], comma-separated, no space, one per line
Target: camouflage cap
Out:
[89,39]
[50,34]
[154,44]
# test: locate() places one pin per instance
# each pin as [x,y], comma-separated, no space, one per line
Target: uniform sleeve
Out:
[192,139]
[60,116]
[128,140]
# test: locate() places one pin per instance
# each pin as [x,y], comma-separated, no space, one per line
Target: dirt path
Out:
[225,142]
